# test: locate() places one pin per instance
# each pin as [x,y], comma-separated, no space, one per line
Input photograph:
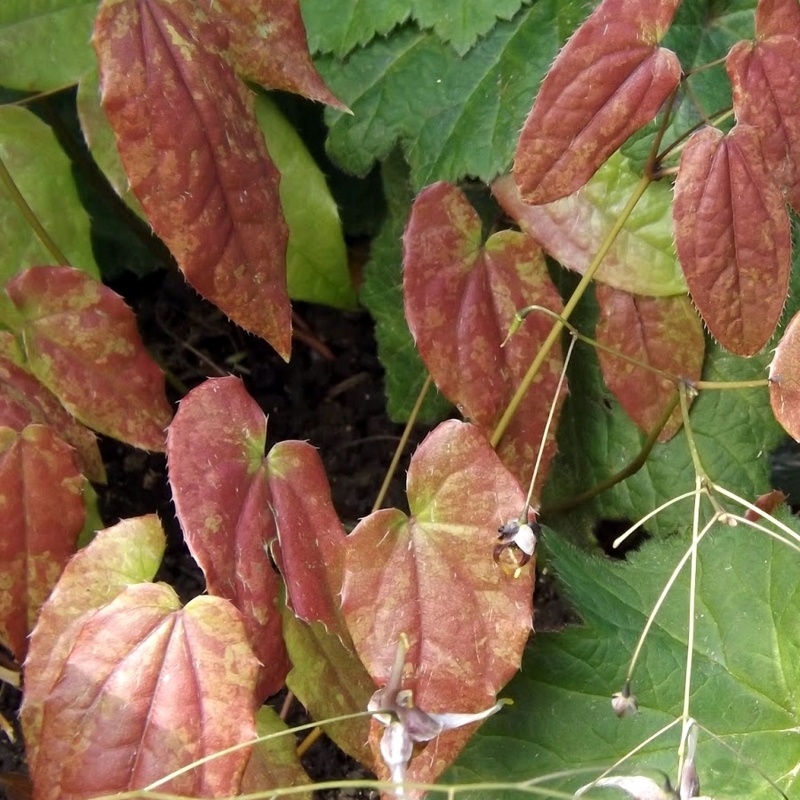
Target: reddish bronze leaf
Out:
[777,17]
[82,343]
[147,688]
[767,503]
[732,234]
[610,79]
[127,553]
[24,400]
[41,495]
[196,160]
[784,376]
[311,539]
[765,76]
[460,301]
[663,332]
[222,497]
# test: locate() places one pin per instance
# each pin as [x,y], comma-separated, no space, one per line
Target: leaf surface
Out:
[432,577]
[642,259]
[41,494]
[82,343]
[124,554]
[207,184]
[44,44]
[43,174]
[784,376]
[452,116]
[222,497]
[664,333]
[148,687]
[461,298]
[24,400]
[732,235]
[317,269]
[610,79]
[743,686]
[765,76]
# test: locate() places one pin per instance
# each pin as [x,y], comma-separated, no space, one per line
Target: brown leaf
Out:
[784,379]
[777,18]
[41,497]
[767,503]
[148,688]
[765,77]
[460,301]
[220,485]
[196,160]
[663,332]
[82,343]
[733,238]
[610,79]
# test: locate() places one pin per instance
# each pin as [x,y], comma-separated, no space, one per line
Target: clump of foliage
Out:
[626,349]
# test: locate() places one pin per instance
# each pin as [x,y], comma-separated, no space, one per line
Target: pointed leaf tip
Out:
[610,79]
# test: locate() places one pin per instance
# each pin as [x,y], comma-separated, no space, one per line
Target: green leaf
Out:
[45,44]
[43,175]
[316,258]
[453,116]
[744,686]
[734,431]
[382,294]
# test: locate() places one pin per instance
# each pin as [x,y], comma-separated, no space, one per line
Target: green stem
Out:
[30,216]
[756,383]
[555,331]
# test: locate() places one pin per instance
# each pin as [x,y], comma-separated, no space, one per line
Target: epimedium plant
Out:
[420,618]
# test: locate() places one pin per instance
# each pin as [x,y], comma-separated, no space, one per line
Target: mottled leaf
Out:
[222,497]
[432,577]
[317,269]
[784,376]
[147,688]
[311,539]
[196,161]
[124,554]
[664,333]
[24,400]
[610,79]
[732,235]
[274,764]
[328,678]
[777,18]
[460,301]
[765,76]
[642,259]
[43,174]
[41,495]
[82,343]
[44,44]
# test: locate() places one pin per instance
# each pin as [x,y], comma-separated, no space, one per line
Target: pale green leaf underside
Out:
[453,116]
[316,259]
[44,44]
[43,174]
[745,670]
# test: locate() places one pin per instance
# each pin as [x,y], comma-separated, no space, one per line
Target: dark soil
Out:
[330,395]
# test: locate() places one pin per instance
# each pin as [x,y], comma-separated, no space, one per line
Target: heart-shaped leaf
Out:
[642,259]
[732,234]
[431,576]
[461,299]
[147,688]
[662,332]
[196,160]
[784,379]
[610,79]
[41,495]
[222,497]
[127,553]
[24,400]
[82,343]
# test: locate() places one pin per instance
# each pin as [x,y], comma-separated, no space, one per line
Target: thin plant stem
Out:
[307,743]
[401,445]
[543,442]
[622,537]
[286,707]
[30,217]
[756,383]
[756,510]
